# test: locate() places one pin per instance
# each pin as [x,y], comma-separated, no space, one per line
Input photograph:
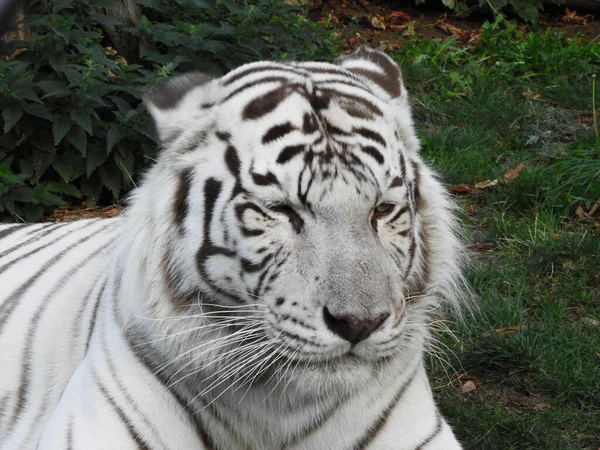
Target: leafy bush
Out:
[72,119]
[527,10]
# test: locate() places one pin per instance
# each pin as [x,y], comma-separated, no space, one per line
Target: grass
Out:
[533,347]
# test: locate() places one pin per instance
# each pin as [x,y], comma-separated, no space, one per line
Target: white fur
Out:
[297,385]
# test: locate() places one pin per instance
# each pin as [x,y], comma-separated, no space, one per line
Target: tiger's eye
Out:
[383,210]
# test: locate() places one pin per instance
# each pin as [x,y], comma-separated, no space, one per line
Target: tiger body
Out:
[250,297]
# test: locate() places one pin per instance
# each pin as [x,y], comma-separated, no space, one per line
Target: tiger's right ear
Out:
[172,103]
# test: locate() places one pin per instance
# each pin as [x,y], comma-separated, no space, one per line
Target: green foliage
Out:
[72,121]
[528,10]
[532,347]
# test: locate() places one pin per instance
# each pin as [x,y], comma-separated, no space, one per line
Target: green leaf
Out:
[23,194]
[113,137]
[96,156]
[83,118]
[44,142]
[41,162]
[63,164]
[54,88]
[11,116]
[71,190]
[22,88]
[78,138]
[37,110]
[49,199]
[26,168]
[91,188]
[33,213]
[111,178]
[60,127]
[121,104]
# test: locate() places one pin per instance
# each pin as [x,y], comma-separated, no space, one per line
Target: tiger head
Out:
[290,213]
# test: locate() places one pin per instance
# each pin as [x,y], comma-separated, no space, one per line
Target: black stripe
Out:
[396,182]
[197,140]
[27,242]
[69,443]
[230,79]
[250,267]
[10,229]
[434,433]
[233,161]
[417,181]
[264,104]
[133,434]
[3,406]
[310,123]
[8,307]
[373,431]
[92,323]
[314,425]
[212,190]
[370,134]
[150,360]
[276,132]
[373,153]
[398,250]
[24,383]
[269,179]
[254,83]
[289,152]
[363,101]
[411,256]
[123,390]
[180,203]
[401,211]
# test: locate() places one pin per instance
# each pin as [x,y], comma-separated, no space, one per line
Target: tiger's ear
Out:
[173,102]
[376,68]
[383,75]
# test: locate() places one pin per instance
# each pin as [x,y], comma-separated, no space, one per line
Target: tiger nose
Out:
[352,328]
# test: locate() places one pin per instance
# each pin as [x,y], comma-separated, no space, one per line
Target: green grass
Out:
[517,98]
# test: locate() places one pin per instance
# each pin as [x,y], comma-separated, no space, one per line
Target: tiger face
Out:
[298,199]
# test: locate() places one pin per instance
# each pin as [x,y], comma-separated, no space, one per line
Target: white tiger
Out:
[269,287]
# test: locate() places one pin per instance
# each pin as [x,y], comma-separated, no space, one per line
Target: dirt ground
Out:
[385,24]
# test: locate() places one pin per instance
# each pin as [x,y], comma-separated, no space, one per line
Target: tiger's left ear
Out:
[175,101]
[383,75]
[376,68]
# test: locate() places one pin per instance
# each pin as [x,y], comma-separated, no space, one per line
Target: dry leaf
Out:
[580,212]
[393,47]
[453,30]
[530,95]
[486,183]
[378,23]
[398,27]
[541,405]
[512,173]
[474,37]
[510,330]
[471,209]
[464,189]
[398,15]
[468,386]
[572,17]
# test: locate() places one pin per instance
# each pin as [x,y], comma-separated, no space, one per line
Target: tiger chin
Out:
[270,285]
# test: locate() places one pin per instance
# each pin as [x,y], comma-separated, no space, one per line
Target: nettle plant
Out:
[527,10]
[73,127]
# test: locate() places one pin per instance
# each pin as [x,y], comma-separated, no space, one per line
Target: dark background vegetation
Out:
[507,104]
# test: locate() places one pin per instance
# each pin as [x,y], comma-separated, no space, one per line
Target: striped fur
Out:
[289,201]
